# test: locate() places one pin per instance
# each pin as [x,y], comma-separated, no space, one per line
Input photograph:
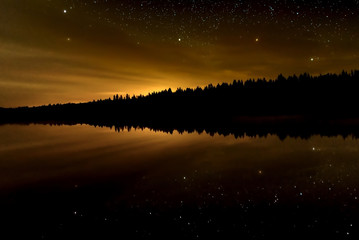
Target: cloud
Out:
[47,56]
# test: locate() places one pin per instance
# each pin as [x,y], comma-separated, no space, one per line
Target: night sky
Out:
[54,51]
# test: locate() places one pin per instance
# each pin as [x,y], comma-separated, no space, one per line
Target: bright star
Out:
[65,11]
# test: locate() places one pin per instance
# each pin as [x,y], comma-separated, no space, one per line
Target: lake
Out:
[80,181]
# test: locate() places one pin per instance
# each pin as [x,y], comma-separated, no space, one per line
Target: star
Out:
[65,11]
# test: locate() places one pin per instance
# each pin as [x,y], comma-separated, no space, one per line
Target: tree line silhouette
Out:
[330,96]
[282,128]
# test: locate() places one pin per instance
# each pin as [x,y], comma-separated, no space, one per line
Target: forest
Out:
[323,97]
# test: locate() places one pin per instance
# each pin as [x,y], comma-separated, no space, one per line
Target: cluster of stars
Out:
[260,193]
[199,20]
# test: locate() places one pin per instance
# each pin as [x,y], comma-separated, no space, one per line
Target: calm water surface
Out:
[70,182]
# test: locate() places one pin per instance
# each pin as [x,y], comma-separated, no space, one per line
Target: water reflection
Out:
[72,181]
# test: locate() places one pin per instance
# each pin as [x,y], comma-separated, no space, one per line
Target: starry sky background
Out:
[54,51]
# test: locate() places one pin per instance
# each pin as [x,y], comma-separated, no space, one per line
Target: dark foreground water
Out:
[78,182]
